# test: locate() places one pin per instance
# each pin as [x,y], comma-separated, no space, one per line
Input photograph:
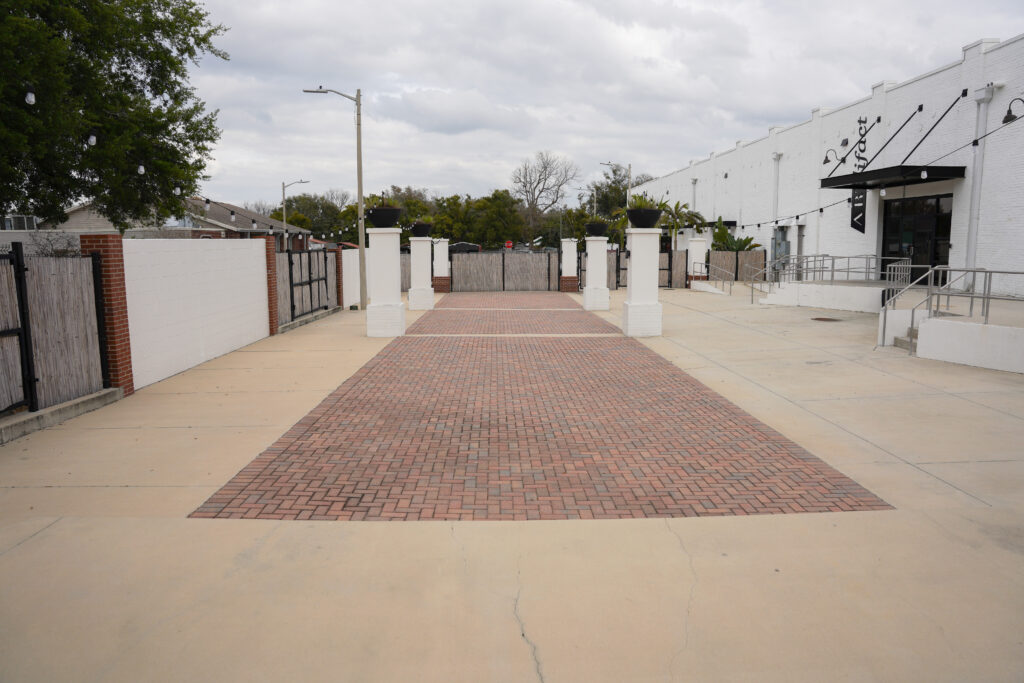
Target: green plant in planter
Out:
[421,226]
[642,201]
[722,241]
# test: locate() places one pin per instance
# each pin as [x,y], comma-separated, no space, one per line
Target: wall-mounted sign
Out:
[858,198]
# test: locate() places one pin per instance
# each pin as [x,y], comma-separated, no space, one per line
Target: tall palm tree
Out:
[680,216]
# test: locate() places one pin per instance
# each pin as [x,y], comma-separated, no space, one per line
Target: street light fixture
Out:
[358,99]
[284,207]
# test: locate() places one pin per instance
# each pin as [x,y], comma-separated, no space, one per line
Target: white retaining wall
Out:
[192,300]
[738,184]
[984,346]
[837,297]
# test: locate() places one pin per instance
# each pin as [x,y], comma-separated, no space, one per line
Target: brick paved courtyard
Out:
[507,300]
[523,428]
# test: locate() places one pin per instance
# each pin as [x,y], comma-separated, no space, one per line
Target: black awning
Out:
[894,176]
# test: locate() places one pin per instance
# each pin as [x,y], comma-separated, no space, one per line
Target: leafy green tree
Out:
[322,214]
[113,73]
[495,219]
[678,216]
[297,219]
[723,241]
[608,194]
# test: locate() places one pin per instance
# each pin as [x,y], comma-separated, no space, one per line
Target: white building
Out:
[914,182]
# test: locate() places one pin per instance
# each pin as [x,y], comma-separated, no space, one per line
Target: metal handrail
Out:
[723,275]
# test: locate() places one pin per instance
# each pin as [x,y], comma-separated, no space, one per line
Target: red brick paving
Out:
[507,300]
[453,321]
[526,428]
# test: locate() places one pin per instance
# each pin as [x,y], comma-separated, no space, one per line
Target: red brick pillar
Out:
[337,269]
[115,307]
[271,249]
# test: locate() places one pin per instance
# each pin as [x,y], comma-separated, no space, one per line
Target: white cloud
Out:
[457,93]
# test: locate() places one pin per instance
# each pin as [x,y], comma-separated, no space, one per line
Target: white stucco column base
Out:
[595,298]
[641,312]
[421,291]
[595,294]
[385,320]
[421,299]
[641,320]
[385,314]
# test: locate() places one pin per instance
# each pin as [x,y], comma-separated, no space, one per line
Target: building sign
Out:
[858,198]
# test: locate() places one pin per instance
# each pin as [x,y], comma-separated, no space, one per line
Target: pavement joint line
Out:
[831,422]
[29,538]
[834,353]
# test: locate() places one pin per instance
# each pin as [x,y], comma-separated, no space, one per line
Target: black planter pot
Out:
[597,229]
[383,216]
[421,229]
[643,218]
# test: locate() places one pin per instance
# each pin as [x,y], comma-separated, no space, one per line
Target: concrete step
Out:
[906,343]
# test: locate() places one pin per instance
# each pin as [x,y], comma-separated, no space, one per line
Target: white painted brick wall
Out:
[192,300]
[746,195]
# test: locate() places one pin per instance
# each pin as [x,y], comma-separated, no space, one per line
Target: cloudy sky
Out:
[457,93]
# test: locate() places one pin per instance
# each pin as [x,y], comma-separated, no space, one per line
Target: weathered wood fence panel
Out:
[750,262]
[307,298]
[11,391]
[723,265]
[332,279]
[64,335]
[527,272]
[480,272]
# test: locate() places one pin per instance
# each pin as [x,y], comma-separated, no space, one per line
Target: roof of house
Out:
[219,214]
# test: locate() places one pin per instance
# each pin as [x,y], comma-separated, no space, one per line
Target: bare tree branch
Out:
[541,183]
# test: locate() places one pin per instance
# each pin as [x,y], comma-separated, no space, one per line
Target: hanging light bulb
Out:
[821,210]
[30,96]
[177,190]
[92,138]
[141,169]
[924,174]
[207,203]
[881,193]
[253,223]
[232,215]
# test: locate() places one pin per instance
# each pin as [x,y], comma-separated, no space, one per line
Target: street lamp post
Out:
[284,207]
[629,176]
[358,99]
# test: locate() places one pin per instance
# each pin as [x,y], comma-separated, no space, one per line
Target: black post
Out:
[28,361]
[503,269]
[736,268]
[309,267]
[549,271]
[291,280]
[686,269]
[101,316]
[326,293]
[670,251]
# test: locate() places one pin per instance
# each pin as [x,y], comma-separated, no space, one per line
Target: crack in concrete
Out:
[689,601]
[522,626]
[461,546]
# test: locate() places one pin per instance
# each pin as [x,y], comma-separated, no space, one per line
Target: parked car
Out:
[464,247]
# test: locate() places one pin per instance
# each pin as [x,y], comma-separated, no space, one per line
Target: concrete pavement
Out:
[103,577]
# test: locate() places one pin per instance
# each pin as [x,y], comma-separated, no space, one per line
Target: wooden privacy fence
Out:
[737,263]
[504,271]
[51,314]
[306,283]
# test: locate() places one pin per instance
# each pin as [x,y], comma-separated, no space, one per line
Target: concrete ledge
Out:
[20,424]
[984,346]
[306,319]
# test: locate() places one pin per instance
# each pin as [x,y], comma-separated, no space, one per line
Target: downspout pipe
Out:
[982,96]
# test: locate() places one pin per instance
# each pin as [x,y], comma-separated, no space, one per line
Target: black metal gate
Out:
[13,271]
[301,277]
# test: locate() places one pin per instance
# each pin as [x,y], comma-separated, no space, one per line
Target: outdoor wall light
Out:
[1009,118]
[837,158]
[30,96]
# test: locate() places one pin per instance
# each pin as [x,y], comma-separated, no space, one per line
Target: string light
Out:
[177,190]
[91,140]
[232,215]
[881,193]
[924,174]
[207,203]
[30,96]
[141,169]
[253,223]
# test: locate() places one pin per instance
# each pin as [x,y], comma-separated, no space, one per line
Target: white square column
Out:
[421,289]
[440,258]
[385,314]
[641,312]
[569,280]
[595,294]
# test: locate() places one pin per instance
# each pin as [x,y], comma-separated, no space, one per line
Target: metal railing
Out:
[716,274]
[953,283]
